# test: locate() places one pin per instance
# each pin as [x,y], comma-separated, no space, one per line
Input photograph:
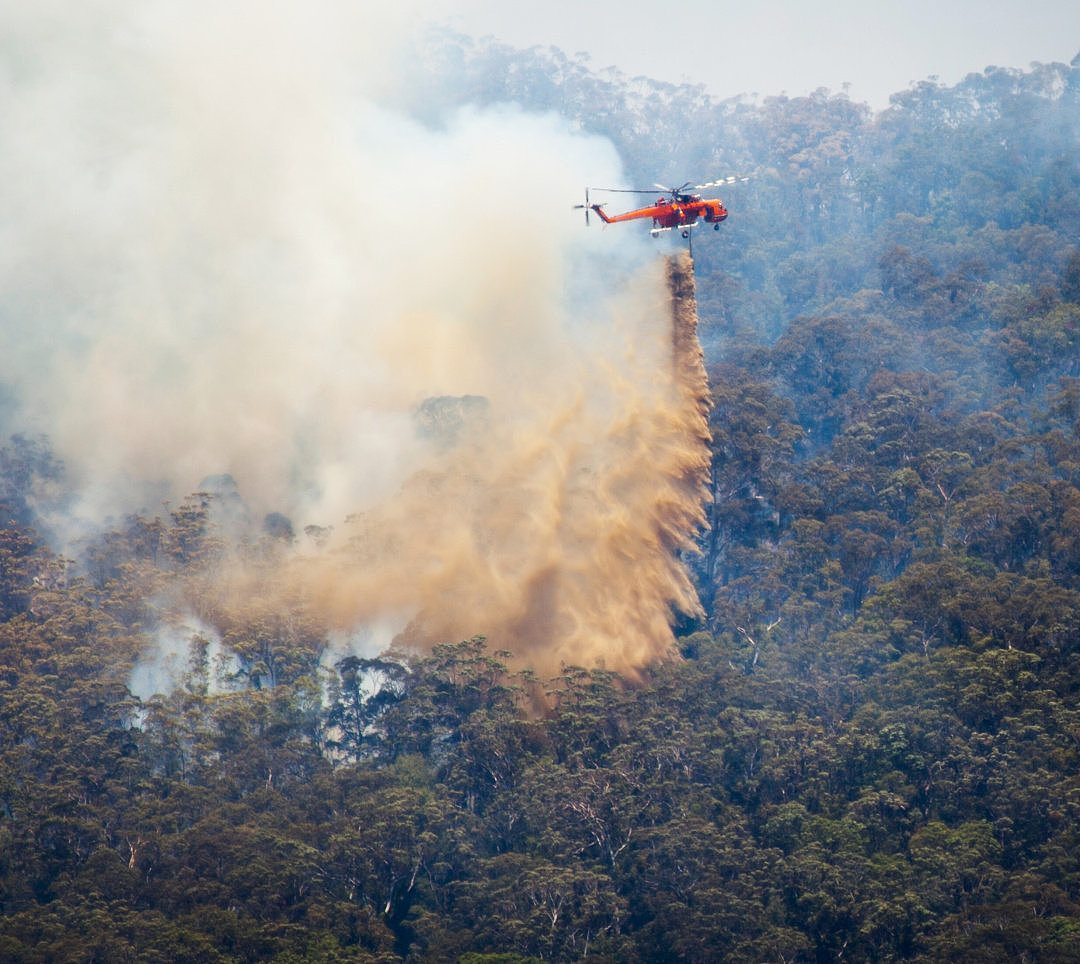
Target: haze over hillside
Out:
[775,47]
[280,271]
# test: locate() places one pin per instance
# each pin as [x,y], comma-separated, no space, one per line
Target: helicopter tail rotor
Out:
[585,206]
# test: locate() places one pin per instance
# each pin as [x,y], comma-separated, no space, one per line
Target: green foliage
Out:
[870,749]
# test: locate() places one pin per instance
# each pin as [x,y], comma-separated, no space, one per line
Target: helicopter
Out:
[675,208]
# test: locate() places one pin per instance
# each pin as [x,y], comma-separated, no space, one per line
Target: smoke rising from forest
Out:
[227,251]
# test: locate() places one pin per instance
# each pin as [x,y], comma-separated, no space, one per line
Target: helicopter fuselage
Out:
[680,210]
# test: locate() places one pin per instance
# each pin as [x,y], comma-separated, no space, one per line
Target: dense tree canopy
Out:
[871,748]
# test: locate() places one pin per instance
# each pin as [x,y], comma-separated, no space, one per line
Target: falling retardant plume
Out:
[227,252]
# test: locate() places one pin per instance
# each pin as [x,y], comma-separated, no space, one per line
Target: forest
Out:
[870,746]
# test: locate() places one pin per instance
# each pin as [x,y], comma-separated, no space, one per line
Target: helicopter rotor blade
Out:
[722,182]
[667,189]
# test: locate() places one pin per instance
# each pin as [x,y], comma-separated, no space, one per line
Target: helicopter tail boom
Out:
[599,209]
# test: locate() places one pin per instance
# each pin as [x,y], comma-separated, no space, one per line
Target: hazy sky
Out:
[790,46]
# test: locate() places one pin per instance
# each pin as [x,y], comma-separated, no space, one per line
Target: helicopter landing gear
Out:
[716,227]
[686,234]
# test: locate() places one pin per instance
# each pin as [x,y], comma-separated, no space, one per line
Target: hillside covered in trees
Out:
[871,748]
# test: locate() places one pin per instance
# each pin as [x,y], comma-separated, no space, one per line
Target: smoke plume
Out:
[226,251]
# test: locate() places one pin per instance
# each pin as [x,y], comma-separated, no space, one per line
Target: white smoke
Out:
[221,254]
[185,649]
[224,250]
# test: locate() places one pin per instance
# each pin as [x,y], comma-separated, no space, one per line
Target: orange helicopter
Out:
[674,209]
